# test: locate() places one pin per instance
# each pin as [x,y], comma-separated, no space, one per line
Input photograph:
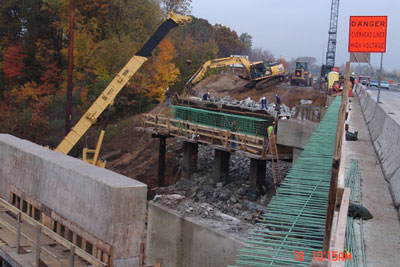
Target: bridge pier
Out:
[221,169]
[189,162]
[257,176]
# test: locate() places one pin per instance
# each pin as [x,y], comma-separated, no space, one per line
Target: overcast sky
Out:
[292,28]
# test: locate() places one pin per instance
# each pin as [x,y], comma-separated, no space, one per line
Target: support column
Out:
[189,159]
[161,161]
[257,176]
[221,169]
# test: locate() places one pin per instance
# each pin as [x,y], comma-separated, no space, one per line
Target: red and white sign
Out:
[367,34]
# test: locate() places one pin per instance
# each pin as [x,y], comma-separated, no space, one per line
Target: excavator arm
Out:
[217,63]
[120,80]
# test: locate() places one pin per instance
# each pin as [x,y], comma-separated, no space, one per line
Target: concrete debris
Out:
[202,198]
[305,102]
[252,105]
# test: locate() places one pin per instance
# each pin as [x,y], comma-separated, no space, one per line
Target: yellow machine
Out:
[301,75]
[108,95]
[333,78]
[260,73]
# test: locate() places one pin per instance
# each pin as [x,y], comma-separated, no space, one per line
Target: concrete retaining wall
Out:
[182,242]
[295,133]
[385,134]
[108,205]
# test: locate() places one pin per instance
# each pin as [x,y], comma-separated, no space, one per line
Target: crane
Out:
[331,50]
[107,97]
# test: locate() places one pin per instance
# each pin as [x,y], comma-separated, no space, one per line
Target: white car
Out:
[385,84]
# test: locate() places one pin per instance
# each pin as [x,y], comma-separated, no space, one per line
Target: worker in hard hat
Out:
[263,102]
[206,96]
[168,96]
[278,104]
[352,79]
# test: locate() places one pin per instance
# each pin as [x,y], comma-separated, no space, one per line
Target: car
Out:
[373,83]
[385,84]
[364,80]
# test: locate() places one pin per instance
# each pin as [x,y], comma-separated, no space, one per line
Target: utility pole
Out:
[70,84]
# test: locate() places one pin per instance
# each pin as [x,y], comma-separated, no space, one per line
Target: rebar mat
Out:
[291,231]
[244,124]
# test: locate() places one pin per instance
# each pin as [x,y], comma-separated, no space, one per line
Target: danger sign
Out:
[367,34]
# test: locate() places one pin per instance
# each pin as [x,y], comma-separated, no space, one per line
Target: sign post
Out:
[367,34]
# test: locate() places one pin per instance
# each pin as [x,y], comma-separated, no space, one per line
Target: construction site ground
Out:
[134,153]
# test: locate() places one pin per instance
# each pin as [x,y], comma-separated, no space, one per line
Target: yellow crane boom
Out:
[120,80]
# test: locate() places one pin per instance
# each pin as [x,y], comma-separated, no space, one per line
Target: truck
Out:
[106,98]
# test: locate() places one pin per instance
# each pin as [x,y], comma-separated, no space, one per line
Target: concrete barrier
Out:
[108,205]
[177,241]
[385,135]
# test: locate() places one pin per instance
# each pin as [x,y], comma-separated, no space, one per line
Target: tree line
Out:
[34,48]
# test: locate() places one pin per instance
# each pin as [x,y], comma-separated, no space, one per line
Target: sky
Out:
[292,28]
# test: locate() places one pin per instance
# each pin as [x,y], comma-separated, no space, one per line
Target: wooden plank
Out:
[225,138]
[53,235]
[340,236]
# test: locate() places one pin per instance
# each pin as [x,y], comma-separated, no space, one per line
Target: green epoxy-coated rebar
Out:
[295,217]
[353,180]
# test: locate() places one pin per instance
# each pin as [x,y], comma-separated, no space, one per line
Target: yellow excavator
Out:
[108,95]
[260,73]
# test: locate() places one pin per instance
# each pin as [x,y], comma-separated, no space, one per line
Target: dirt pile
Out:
[134,153]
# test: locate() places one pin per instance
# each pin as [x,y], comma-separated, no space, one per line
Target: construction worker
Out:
[270,129]
[352,79]
[278,104]
[206,96]
[167,96]
[263,103]
[234,129]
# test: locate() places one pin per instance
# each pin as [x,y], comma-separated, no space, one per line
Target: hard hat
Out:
[276,94]
[263,97]
[167,88]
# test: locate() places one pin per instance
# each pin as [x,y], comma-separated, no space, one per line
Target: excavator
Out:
[260,73]
[107,97]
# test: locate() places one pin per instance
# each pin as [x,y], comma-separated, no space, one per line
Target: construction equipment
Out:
[108,95]
[260,73]
[301,75]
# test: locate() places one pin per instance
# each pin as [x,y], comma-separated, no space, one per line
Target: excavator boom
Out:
[259,72]
[119,81]
[217,63]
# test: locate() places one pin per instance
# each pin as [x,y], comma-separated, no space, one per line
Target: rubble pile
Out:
[252,105]
[201,197]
